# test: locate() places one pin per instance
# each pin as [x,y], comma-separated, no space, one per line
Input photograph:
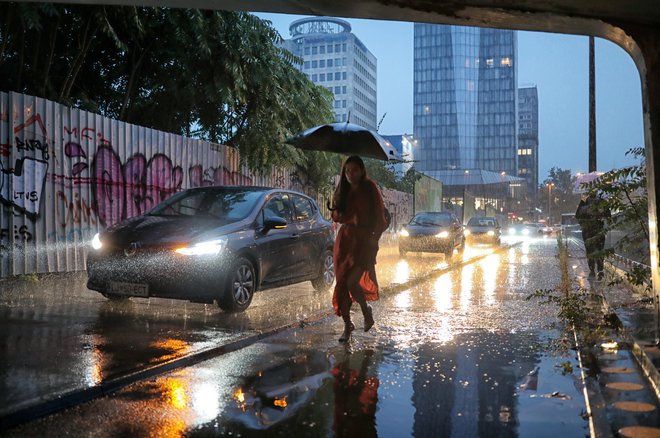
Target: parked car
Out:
[483,229]
[218,244]
[432,232]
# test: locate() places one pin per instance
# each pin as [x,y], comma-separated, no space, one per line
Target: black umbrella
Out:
[345,138]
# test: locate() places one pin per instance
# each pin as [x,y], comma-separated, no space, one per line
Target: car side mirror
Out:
[273,222]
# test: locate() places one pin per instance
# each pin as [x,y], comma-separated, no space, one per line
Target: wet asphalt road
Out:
[461,354]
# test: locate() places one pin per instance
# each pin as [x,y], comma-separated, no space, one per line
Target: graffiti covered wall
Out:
[66,174]
[400,206]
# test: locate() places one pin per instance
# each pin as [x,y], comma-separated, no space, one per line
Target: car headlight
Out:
[491,233]
[96,241]
[525,232]
[442,234]
[466,232]
[512,231]
[212,247]
[404,232]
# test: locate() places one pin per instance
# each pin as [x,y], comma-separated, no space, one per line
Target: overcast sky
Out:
[557,64]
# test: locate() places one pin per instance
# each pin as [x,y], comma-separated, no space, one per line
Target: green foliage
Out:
[216,75]
[623,192]
[562,198]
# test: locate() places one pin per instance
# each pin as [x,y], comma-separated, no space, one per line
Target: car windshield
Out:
[481,222]
[437,220]
[227,204]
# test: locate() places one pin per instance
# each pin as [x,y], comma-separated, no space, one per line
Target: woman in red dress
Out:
[358,206]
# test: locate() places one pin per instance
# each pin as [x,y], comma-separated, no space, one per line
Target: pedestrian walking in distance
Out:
[358,207]
[591,215]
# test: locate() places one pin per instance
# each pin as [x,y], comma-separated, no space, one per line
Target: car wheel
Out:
[402,252]
[240,287]
[327,273]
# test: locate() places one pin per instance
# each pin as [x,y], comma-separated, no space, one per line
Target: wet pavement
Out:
[461,352]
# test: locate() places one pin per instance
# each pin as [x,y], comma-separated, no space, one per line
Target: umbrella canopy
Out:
[345,138]
[585,179]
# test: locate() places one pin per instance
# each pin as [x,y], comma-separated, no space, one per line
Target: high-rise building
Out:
[405,146]
[528,138]
[465,98]
[335,58]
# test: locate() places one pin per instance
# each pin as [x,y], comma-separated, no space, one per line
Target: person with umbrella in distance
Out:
[591,215]
[358,207]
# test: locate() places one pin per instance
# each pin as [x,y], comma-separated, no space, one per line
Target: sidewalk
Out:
[621,376]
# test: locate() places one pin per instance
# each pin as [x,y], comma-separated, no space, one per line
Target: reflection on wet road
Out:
[458,355]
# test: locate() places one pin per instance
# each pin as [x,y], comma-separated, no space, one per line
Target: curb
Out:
[650,370]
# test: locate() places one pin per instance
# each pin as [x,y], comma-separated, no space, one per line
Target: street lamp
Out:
[465,177]
[550,185]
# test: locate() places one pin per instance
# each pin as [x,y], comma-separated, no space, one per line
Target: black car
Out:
[215,244]
[435,231]
[483,229]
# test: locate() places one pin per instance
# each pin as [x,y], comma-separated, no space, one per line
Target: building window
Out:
[315,64]
[505,62]
[343,89]
[306,65]
[322,50]
[322,77]
[330,48]
[315,50]
[489,62]
[322,63]
[315,78]
[330,61]
[337,90]
[338,76]
[343,75]
[306,50]
[343,47]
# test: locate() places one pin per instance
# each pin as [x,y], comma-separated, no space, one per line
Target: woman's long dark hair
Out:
[341,191]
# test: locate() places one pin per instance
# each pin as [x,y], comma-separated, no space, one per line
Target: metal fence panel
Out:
[66,174]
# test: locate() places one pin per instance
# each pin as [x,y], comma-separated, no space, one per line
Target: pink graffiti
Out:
[132,189]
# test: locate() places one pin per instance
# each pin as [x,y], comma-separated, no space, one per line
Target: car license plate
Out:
[132,289]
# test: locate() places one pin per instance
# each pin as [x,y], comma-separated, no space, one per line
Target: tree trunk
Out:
[51,53]
[77,62]
[130,86]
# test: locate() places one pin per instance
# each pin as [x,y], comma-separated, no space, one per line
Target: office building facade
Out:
[528,139]
[465,98]
[405,146]
[335,58]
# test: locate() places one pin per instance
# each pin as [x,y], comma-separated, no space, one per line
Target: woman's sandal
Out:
[346,335]
[368,319]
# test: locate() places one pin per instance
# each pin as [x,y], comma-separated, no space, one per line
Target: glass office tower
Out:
[465,98]
[528,138]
